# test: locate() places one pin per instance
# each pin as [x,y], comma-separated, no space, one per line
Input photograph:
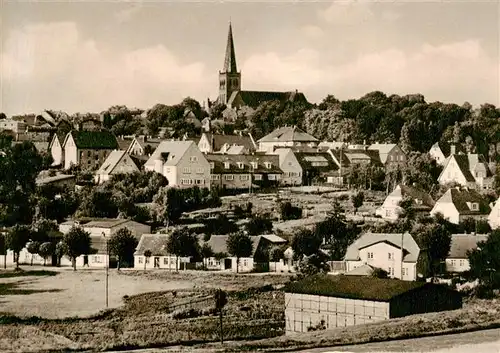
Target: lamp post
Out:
[107,267]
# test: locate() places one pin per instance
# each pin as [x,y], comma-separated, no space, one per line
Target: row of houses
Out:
[456,205]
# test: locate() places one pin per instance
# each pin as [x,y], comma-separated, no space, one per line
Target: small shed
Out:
[337,301]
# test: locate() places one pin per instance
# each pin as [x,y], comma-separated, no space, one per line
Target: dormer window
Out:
[254,165]
[418,201]
[193,159]
[268,165]
[240,165]
[474,206]
[227,165]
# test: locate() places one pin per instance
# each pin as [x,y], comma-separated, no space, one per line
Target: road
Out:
[487,341]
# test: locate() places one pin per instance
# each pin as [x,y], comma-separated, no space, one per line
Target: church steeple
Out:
[229,77]
[230,59]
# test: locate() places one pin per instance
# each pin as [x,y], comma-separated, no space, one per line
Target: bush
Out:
[288,211]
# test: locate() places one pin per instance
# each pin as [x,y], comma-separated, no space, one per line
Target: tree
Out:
[147,255]
[3,250]
[16,240]
[239,245]
[337,233]
[33,248]
[76,243]
[305,242]
[379,273]
[46,249]
[357,200]
[182,244]
[206,252]
[434,239]
[276,254]
[288,211]
[122,244]
[485,261]
[259,225]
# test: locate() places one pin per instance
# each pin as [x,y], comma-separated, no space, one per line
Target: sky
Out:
[83,56]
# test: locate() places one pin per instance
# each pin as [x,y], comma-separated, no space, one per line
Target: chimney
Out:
[452,149]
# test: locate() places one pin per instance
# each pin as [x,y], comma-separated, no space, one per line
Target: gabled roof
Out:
[218,141]
[311,161]
[106,223]
[461,243]
[355,287]
[245,160]
[467,163]
[384,149]
[254,98]
[230,58]
[171,152]
[123,143]
[288,134]
[367,239]
[274,238]
[93,139]
[218,243]
[114,158]
[55,178]
[156,243]
[459,198]
[415,194]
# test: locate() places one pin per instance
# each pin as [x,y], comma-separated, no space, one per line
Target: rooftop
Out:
[288,134]
[461,243]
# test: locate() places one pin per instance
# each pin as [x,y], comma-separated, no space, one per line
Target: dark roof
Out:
[94,140]
[414,194]
[156,243]
[254,98]
[459,199]
[123,143]
[461,243]
[309,161]
[288,134]
[230,58]
[218,243]
[245,159]
[468,163]
[220,140]
[354,287]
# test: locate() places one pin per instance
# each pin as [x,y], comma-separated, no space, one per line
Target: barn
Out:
[334,301]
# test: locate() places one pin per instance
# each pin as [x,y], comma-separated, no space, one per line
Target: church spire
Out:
[230,59]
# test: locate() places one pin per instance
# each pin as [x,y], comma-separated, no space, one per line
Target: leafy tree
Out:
[435,239]
[357,200]
[122,244]
[288,211]
[305,242]
[99,203]
[76,243]
[46,250]
[147,255]
[485,261]
[3,249]
[182,244]
[3,116]
[313,264]
[59,251]
[259,225]
[16,240]
[206,252]
[337,233]
[33,248]
[216,111]
[379,273]
[239,245]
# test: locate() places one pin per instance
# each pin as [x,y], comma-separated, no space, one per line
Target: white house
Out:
[395,253]
[494,216]
[182,163]
[470,170]
[389,153]
[458,204]
[56,149]
[160,258]
[143,146]
[390,209]
[437,154]
[12,125]
[228,262]
[118,162]
[106,226]
[457,260]
[288,136]
[289,164]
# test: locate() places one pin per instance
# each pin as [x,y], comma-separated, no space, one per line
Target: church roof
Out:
[254,98]
[288,134]
[230,59]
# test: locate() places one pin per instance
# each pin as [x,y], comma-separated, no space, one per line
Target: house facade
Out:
[160,258]
[457,259]
[216,143]
[182,163]
[458,204]
[288,136]
[13,125]
[395,253]
[244,171]
[494,216]
[317,166]
[422,202]
[118,162]
[143,146]
[290,166]
[56,150]
[88,149]
[437,154]
[389,153]
[469,170]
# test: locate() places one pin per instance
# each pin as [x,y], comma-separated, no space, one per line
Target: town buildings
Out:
[287,136]
[88,149]
[458,204]
[229,144]
[457,259]
[422,202]
[118,162]
[469,170]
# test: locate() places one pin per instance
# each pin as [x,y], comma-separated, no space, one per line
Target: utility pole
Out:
[107,267]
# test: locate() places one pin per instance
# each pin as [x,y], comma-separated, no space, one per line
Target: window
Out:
[418,201]
[268,165]
[404,271]
[140,259]
[229,177]
[215,177]
[258,176]
[391,271]
[474,206]
[245,262]
[453,262]
[272,177]
[165,260]
[199,181]
[200,171]
[193,159]
[254,165]
[370,255]
[147,260]
[97,259]
[186,170]
[226,165]
[241,165]
[390,256]
[244,177]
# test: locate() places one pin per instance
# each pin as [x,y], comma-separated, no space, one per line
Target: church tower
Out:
[229,77]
